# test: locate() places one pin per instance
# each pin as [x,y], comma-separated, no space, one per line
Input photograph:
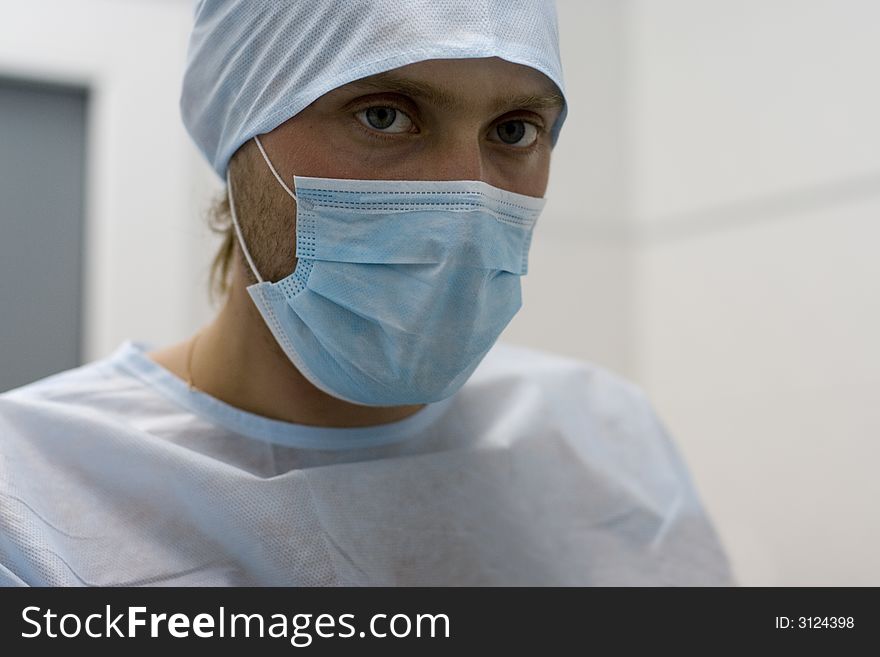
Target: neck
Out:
[237,360]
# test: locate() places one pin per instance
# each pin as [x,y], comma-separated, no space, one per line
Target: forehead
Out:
[457,84]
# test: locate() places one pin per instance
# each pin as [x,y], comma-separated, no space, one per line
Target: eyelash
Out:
[378,134]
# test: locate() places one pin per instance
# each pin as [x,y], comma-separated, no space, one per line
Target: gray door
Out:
[42,183]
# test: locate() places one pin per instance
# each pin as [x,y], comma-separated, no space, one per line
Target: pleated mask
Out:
[401,287]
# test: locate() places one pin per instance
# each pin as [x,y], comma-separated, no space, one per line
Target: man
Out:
[348,418]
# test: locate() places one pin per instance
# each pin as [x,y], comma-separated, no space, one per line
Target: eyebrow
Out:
[442,98]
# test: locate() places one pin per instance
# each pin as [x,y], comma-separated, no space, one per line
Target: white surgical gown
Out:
[541,470]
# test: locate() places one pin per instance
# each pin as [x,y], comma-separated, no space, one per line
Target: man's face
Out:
[452,119]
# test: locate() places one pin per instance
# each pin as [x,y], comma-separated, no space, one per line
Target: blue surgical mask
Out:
[401,287]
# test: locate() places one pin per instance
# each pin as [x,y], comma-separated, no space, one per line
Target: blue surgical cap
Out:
[253,64]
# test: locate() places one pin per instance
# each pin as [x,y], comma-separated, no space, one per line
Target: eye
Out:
[386,119]
[519,133]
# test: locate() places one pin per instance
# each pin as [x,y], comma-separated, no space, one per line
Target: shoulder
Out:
[94,393]
[506,358]
[68,384]
[597,411]
[564,379]
[101,381]
[601,422]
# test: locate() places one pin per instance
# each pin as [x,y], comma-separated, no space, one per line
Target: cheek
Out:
[268,218]
[524,174]
[315,146]
[335,156]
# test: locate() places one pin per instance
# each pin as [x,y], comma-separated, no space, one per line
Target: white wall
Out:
[709,233]
[145,244]
[757,194]
[578,295]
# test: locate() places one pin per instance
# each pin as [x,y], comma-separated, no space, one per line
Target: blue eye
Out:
[381,117]
[516,133]
[385,119]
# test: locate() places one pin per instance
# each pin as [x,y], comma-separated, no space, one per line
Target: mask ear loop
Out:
[247,254]
[272,169]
